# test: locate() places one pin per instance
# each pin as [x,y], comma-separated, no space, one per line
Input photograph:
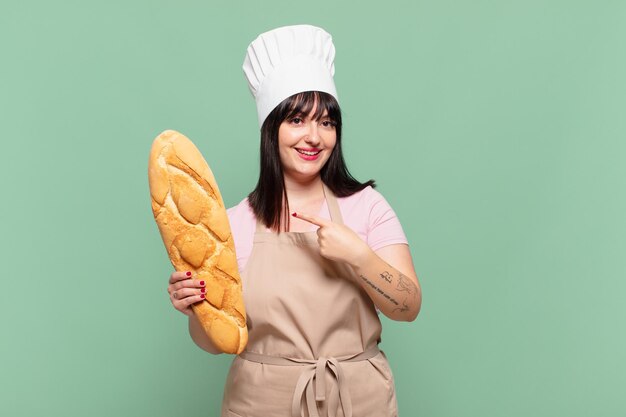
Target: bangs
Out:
[302,104]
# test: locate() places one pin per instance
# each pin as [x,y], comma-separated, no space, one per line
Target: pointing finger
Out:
[318,221]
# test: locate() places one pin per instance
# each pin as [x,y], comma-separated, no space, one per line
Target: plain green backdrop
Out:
[496,130]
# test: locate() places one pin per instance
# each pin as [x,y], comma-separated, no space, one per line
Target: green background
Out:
[496,130]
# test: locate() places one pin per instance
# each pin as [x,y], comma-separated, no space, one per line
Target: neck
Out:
[298,190]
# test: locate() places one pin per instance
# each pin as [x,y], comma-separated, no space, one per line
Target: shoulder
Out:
[360,210]
[241,210]
[242,225]
[369,214]
[364,201]
[242,220]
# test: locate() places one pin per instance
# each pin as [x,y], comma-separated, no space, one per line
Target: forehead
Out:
[308,105]
[311,113]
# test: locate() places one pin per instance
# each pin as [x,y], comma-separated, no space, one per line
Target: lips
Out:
[308,154]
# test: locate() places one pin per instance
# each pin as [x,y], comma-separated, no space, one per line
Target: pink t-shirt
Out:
[366,212]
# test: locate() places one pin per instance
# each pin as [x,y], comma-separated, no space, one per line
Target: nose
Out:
[312,138]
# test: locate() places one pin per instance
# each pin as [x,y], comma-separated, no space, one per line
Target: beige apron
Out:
[313,336]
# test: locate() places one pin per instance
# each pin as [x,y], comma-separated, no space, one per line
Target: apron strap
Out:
[333,205]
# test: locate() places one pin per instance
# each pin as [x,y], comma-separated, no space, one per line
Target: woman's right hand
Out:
[185,291]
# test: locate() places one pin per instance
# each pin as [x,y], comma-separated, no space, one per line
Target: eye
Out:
[329,123]
[296,120]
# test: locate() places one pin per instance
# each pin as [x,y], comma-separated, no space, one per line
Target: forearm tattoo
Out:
[404,284]
[384,294]
[386,276]
[408,286]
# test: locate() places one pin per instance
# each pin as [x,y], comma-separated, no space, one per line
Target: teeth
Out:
[307,152]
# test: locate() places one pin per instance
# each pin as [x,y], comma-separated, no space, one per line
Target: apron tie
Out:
[320,385]
[311,384]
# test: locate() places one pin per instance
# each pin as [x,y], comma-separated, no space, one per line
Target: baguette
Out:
[191,217]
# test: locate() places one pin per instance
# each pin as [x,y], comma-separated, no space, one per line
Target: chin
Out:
[305,174]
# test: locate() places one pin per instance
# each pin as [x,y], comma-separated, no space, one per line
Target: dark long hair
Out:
[269,199]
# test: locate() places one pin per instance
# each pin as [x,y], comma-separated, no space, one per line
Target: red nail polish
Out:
[294,214]
[201,295]
[202,290]
[201,282]
[188,273]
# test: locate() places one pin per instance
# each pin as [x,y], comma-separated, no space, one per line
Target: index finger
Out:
[179,276]
[318,221]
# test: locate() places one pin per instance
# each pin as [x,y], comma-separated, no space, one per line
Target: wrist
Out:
[361,257]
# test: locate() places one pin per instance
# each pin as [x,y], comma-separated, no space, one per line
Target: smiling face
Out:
[305,144]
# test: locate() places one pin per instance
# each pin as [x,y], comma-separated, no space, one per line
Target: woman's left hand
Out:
[337,241]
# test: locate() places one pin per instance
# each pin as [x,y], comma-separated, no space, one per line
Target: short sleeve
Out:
[384,227]
[242,224]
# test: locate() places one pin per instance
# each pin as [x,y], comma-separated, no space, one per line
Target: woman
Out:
[312,281]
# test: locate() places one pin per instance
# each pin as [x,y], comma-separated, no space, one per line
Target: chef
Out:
[321,254]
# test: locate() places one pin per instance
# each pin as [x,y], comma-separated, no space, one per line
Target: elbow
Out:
[416,310]
[413,316]
[408,315]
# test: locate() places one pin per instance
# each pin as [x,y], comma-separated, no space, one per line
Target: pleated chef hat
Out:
[288,60]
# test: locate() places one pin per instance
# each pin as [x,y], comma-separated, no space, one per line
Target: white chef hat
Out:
[289,60]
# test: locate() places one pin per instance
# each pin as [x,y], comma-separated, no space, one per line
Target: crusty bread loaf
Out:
[190,213]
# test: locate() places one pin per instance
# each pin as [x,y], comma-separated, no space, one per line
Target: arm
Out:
[199,336]
[388,276]
[185,291]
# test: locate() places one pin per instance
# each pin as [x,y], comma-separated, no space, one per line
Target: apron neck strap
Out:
[333,205]
[331,202]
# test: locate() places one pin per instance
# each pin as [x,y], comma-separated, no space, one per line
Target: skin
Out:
[302,179]
[387,275]
[184,291]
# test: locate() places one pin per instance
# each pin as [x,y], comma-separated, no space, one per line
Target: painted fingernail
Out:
[201,282]
[202,290]
[188,273]
[294,214]
[201,295]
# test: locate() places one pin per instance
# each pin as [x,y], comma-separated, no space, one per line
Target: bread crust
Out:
[190,213]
